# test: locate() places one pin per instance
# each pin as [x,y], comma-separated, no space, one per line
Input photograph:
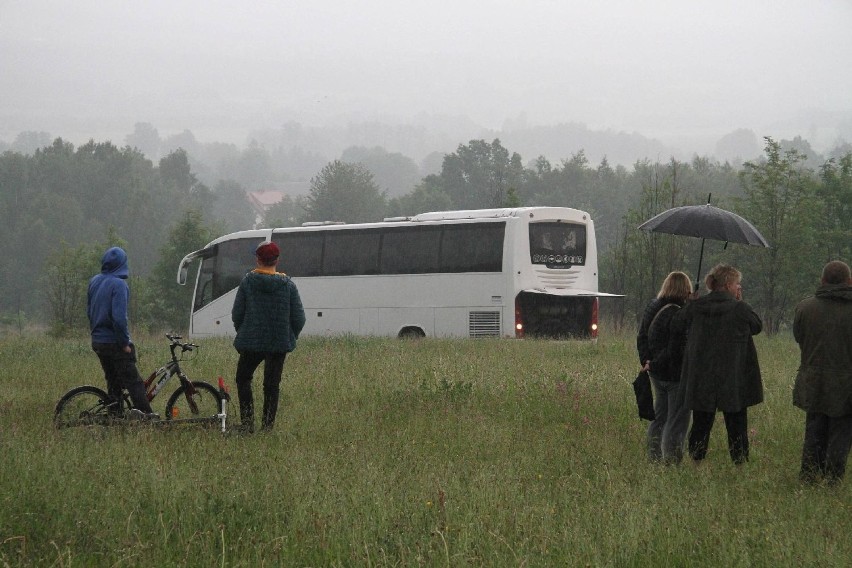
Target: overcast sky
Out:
[672,69]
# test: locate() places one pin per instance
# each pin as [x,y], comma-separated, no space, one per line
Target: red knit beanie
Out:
[267,252]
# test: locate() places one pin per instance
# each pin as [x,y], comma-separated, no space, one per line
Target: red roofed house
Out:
[262,200]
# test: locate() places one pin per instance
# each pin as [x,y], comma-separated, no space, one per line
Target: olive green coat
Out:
[720,368]
[823,329]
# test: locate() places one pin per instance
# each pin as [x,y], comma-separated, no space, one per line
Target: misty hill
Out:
[429,135]
[561,141]
[400,152]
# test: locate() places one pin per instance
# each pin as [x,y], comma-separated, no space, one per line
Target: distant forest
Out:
[62,205]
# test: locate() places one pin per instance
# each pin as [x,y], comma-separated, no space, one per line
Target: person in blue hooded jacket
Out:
[108,297]
[268,317]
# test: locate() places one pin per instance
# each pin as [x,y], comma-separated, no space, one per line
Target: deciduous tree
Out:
[394,173]
[429,195]
[781,201]
[286,213]
[479,174]
[231,207]
[835,219]
[345,192]
[166,304]
[146,139]
[66,275]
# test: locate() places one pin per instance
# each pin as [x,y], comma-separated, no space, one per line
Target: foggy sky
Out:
[676,70]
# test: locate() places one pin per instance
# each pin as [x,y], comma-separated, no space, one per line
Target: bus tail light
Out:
[519,319]
[593,330]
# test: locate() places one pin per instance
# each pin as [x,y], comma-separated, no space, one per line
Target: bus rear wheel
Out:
[411,332]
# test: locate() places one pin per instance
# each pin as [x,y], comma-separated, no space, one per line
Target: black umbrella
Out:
[705,222]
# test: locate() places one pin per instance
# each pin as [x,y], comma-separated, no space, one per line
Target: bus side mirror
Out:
[181,278]
[184,263]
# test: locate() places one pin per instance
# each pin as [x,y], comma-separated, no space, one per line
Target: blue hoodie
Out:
[108,297]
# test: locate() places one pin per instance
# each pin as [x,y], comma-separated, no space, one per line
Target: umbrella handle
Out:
[700,259]
[701,254]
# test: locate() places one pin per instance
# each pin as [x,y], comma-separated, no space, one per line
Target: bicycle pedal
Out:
[136,414]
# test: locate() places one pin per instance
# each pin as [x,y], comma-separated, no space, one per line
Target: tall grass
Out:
[405,453]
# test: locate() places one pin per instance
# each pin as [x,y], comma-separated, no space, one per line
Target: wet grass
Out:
[405,453]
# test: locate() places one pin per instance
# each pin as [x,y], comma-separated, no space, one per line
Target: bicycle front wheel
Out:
[200,406]
[84,406]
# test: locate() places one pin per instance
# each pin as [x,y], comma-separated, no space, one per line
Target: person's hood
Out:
[839,292]
[715,303]
[266,282]
[114,262]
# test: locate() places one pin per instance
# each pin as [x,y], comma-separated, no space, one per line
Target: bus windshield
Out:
[558,245]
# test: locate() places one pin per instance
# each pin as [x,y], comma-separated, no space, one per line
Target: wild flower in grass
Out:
[752,435]
[442,510]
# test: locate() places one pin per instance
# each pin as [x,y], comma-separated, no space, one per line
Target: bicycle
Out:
[192,401]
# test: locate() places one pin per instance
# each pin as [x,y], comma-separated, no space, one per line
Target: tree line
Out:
[62,206]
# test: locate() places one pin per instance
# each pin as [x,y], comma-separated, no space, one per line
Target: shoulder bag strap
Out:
[661,310]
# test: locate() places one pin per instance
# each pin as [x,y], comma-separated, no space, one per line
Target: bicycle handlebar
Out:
[175,342]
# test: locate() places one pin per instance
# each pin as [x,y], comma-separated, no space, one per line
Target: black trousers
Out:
[120,373]
[273,367]
[826,446]
[735,422]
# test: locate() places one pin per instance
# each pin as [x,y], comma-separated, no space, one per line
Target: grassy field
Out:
[405,453]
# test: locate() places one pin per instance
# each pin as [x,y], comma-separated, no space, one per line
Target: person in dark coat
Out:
[823,329]
[720,366]
[662,360]
[268,317]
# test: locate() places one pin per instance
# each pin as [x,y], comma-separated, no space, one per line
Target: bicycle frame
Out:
[158,379]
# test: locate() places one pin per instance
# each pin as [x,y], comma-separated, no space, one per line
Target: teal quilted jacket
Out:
[267,313]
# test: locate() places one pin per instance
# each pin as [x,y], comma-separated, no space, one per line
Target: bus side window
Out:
[301,253]
[472,247]
[351,252]
[410,250]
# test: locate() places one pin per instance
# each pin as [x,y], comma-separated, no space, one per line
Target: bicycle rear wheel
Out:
[85,406]
[200,406]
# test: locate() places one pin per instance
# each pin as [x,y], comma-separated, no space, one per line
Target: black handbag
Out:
[644,395]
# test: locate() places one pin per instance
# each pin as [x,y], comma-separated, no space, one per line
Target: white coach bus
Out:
[521,272]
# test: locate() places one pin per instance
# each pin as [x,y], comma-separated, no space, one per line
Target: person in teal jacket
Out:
[268,317]
[107,299]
